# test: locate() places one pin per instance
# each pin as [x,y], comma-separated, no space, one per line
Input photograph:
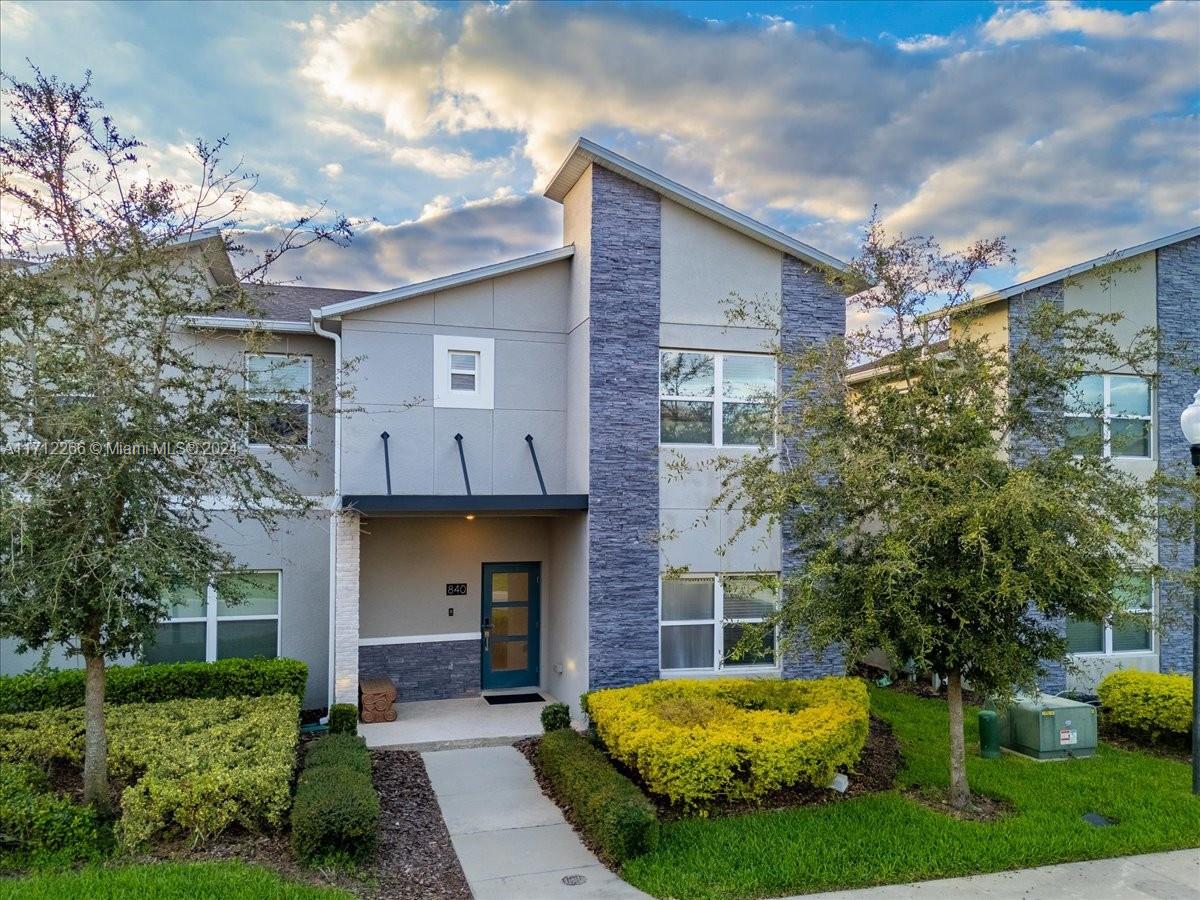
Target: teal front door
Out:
[511,624]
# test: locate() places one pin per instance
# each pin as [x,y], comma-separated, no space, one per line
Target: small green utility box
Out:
[1045,727]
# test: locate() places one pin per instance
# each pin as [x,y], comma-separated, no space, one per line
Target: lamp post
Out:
[1190,422]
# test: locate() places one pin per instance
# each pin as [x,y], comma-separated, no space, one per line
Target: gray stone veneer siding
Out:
[1179,323]
[1020,307]
[436,671]
[623,438]
[812,312]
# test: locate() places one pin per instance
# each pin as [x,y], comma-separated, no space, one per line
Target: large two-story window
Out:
[715,399]
[282,382]
[1132,634]
[704,617]
[203,627]
[1110,415]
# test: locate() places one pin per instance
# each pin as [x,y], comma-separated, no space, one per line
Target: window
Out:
[1132,634]
[463,372]
[715,399]
[1110,415]
[283,381]
[703,618]
[203,627]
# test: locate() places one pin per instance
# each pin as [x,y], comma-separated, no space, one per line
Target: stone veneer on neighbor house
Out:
[623,512]
[1179,323]
[813,310]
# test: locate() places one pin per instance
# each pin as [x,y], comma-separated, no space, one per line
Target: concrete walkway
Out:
[511,840]
[1162,876]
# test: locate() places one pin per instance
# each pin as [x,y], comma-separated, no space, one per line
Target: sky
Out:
[1072,129]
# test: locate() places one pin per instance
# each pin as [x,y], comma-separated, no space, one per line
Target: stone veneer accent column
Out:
[1020,308]
[438,670]
[623,448]
[1178,321]
[812,312]
[345,615]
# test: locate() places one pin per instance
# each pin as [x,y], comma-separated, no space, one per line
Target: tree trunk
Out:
[95,755]
[960,792]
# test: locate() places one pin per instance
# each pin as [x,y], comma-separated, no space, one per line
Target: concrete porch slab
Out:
[444,724]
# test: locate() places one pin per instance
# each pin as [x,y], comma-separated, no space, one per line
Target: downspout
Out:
[314,316]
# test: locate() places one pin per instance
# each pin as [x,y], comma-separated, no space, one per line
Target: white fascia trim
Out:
[233,323]
[446,282]
[585,152]
[419,639]
[1070,271]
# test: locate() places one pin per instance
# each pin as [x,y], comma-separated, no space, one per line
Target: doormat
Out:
[495,699]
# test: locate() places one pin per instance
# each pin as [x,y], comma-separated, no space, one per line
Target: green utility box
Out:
[1045,727]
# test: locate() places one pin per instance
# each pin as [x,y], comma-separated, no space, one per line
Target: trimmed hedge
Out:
[700,742]
[607,806]
[343,718]
[157,683]
[556,716]
[194,768]
[335,818]
[1151,703]
[39,828]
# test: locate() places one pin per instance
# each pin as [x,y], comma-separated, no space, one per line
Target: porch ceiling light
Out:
[469,516]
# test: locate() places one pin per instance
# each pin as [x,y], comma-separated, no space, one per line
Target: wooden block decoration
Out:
[376,696]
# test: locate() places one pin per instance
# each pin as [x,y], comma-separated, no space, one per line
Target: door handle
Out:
[486,631]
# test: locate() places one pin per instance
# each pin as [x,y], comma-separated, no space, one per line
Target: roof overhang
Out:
[235,323]
[1069,272]
[585,153]
[462,504]
[446,282]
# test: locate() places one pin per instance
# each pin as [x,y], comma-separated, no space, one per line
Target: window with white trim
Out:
[203,627]
[463,372]
[1110,415]
[284,381]
[715,399]
[702,619]
[1132,634]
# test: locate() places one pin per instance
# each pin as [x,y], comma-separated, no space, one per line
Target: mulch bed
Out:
[1168,747]
[875,771]
[982,809]
[415,857]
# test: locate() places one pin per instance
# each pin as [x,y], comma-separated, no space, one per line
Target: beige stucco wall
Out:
[1127,287]
[407,563]
[577,230]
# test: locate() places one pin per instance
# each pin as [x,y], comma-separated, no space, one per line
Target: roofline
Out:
[566,176]
[446,282]
[1042,280]
[234,323]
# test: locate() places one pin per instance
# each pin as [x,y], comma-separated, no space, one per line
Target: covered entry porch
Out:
[464,596]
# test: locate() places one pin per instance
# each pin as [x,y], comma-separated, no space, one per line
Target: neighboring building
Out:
[1153,285]
[499,481]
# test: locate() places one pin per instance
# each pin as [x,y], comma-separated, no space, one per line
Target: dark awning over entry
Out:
[407,504]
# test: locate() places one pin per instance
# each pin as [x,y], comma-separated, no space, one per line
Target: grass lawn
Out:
[160,881]
[889,838]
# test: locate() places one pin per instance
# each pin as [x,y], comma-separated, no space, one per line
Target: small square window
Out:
[464,376]
[464,371]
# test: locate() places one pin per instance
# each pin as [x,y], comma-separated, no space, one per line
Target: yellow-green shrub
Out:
[194,767]
[1149,702]
[696,742]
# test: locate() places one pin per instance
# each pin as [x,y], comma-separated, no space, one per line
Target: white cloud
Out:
[1165,21]
[332,170]
[16,20]
[923,43]
[444,164]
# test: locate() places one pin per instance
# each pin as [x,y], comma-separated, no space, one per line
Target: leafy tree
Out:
[118,424]
[936,496]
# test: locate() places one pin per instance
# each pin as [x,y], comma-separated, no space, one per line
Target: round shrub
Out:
[335,816]
[344,751]
[555,717]
[1151,703]
[698,742]
[343,718]
[40,827]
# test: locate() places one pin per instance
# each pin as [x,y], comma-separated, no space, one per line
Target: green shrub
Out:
[336,814]
[194,767]
[608,807]
[41,828]
[343,718]
[1150,703]
[556,716]
[345,751]
[698,742]
[157,683]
